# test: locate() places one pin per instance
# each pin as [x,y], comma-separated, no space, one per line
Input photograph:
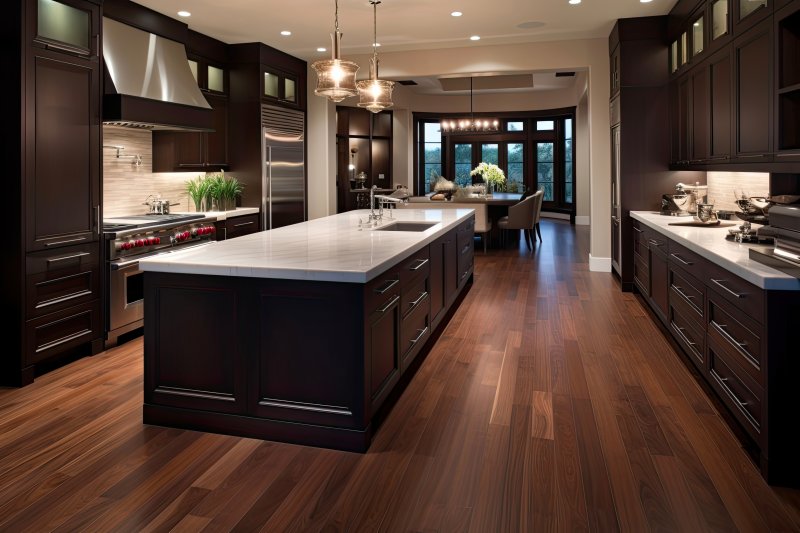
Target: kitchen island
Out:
[736,320]
[300,334]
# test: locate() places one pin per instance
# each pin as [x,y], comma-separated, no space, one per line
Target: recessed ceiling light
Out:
[184,14]
[322,49]
[574,2]
[376,44]
[286,33]
[456,14]
[645,1]
[475,38]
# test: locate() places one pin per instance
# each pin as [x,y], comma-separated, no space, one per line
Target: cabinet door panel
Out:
[753,54]
[62,145]
[700,114]
[721,83]
[217,141]
[384,339]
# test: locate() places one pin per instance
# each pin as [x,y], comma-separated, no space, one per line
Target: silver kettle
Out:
[157,206]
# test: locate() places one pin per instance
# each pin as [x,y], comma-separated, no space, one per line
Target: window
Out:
[539,153]
[544,169]
[568,162]
[515,173]
[432,150]
[463,163]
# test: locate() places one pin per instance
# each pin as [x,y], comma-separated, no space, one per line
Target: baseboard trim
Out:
[599,264]
[560,216]
[582,220]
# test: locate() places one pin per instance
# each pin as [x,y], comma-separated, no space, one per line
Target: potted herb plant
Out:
[224,191]
[198,190]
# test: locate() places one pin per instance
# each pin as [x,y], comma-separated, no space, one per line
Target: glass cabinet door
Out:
[698,35]
[748,6]
[65,26]
[271,85]
[719,19]
[290,90]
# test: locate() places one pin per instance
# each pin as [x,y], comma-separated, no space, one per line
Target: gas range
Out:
[141,235]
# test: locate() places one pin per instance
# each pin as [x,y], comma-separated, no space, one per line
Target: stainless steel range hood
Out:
[148,83]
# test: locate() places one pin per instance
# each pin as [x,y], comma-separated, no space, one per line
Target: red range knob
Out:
[186,234]
[157,240]
[200,231]
[212,229]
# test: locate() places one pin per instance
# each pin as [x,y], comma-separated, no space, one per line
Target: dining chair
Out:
[522,216]
[537,212]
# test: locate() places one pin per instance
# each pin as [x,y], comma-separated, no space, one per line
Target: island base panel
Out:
[350,440]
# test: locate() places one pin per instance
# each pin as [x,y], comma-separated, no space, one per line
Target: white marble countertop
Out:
[332,248]
[710,242]
[223,215]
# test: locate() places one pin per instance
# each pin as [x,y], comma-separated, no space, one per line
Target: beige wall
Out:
[589,55]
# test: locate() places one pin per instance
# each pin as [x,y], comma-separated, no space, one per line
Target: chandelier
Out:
[336,79]
[470,125]
[375,94]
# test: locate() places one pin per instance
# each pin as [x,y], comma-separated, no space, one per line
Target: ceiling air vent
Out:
[564,74]
[407,82]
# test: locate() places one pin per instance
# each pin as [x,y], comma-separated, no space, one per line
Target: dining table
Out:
[497,205]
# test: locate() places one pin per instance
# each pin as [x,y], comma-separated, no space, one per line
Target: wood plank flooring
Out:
[550,402]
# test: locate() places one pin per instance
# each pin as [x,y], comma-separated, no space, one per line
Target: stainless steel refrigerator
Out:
[283,188]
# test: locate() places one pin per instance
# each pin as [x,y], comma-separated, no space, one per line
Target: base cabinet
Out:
[740,338]
[231,228]
[309,362]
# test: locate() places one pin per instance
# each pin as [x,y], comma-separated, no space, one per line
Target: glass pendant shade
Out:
[375,94]
[336,79]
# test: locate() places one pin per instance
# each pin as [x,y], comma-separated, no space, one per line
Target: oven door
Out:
[126,297]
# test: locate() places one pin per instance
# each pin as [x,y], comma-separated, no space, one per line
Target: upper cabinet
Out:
[735,85]
[68,26]
[204,151]
[268,75]
[280,87]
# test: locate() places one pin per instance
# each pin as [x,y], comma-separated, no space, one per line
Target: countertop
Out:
[223,215]
[710,242]
[332,248]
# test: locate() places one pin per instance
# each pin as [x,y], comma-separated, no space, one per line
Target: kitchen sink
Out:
[407,226]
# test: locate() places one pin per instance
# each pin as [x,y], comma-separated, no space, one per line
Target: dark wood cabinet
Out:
[748,13]
[753,93]
[787,70]
[204,151]
[720,79]
[651,274]
[701,115]
[268,377]
[364,144]
[737,335]
[51,273]
[641,144]
[237,226]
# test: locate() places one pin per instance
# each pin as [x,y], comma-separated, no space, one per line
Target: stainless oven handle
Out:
[122,265]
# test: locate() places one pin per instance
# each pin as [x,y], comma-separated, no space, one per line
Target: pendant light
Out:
[336,79]
[470,125]
[375,94]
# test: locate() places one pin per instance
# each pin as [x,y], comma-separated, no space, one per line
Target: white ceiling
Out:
[404,24]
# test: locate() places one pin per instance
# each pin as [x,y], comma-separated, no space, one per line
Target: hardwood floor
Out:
[550,402]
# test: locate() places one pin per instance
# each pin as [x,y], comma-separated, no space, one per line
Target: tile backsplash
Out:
[722,184]
[127,185]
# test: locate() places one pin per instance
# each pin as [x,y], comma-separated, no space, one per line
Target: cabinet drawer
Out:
[657,243]
[414,294]
[688,290]
[60,279]
[641,274]
[688,332]
[243,225]
[739,335]
[742,396]
[414,331]
[740,293]
[687,260]
[418,265]
[381,290]
[466,255]
[639,239]
[51,334]
[468,226]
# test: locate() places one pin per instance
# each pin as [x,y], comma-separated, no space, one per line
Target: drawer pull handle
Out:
[679,290]
[687,263]
[637,230]
[685,338]
[62,299]
[389,305]
[62,340]
[386,286]
[418,300]
[65,242]
[655,242]
[730,391]
[421,263]
[465,249]
[67,257]
[719,283]
[243,224]
[422,333]
[728,337]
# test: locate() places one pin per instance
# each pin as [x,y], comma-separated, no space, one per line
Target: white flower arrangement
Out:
[490,173]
